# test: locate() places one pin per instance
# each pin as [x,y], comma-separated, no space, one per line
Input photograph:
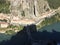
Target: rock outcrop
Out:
[28,8]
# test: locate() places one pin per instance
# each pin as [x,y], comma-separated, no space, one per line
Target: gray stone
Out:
[31,8]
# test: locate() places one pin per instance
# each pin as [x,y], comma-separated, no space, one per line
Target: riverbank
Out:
[49,21]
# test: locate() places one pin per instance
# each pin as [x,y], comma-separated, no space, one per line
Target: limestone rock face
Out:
[42,7]
[28,8]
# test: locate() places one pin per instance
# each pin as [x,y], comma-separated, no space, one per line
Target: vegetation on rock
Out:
[10,32]
[54,4]
[48,21]
[4,6]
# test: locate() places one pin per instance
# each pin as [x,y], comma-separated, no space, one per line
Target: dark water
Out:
[49,28]
[51,32]
[30,36]
[5,37]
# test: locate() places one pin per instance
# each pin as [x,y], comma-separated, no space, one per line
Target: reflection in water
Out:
[51,27]
[34,37]
[4,37]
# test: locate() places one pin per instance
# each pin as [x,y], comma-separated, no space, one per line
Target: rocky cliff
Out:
[28,8]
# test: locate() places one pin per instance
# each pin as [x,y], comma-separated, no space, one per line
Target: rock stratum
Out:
[29,11]
[28,8]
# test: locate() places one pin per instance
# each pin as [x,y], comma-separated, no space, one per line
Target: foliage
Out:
[20,27]
[10,32]
[48,21]
[11,26]
[54,3]
[16,27]
[4,6]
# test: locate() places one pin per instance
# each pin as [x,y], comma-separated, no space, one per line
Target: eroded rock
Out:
[29,8]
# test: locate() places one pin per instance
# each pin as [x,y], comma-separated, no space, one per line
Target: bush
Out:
[10,32]
[12,26]
[20,27]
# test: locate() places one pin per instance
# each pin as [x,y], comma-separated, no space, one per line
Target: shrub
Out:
[10,32]
[4,6]
[49,21]
[54,3]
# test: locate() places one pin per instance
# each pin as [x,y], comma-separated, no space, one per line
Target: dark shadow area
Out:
[30,36]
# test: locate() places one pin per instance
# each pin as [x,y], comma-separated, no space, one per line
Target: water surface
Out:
[49,28]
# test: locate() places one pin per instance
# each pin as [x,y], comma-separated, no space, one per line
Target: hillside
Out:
[29,9]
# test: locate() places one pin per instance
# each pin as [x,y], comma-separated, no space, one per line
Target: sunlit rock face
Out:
[42,6]
[28,8]
[16,8]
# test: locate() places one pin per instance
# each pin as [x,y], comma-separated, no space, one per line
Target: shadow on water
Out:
[30,36]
